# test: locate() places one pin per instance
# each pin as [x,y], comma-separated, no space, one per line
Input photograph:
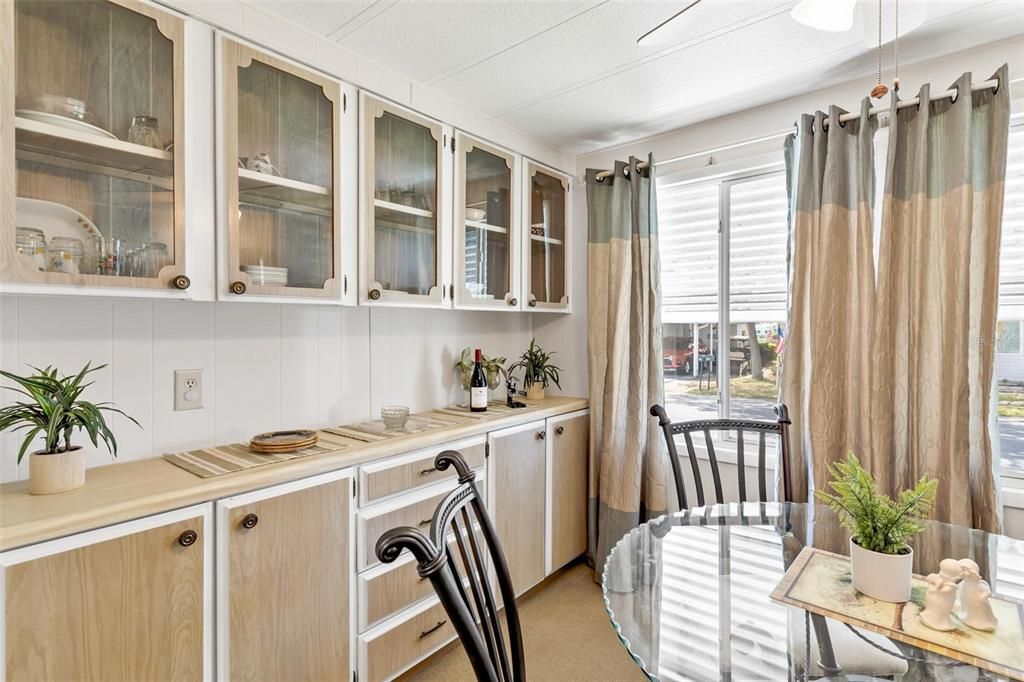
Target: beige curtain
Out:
[827,358]
[938,291]
[628,461]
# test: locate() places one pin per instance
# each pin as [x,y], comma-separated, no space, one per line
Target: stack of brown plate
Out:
[274,442]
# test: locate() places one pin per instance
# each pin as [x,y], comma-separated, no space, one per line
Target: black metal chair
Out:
[762,428]
[473,612]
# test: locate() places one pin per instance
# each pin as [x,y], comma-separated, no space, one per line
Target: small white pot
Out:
[883,576]
[57,473]
[535,391]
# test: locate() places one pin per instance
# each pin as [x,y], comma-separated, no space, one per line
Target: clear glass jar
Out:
[65,255]
[153,258]
[28,241]
[145,130]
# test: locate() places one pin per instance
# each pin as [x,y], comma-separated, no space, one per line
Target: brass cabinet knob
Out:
[513,301]
[541,435]
[188,538]
[181,282]
[238,287]
[374,294]
[250,521]
[559,430]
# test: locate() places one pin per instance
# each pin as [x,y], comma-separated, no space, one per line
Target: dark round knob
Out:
[250,521]
[188,538]
[374,294]
[559,430]
[541,435]
[533,303]
[238,287]
[513,301]
[181,282]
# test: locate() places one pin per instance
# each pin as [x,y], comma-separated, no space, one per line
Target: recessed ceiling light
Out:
[825,15]
[667,30]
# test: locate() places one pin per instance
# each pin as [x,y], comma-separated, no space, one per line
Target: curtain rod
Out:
[842,119]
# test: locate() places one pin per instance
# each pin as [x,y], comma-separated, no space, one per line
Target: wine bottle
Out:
[478,386]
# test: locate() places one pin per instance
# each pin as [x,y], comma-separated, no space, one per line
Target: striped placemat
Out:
[224,459]
[374,431]
[495,407]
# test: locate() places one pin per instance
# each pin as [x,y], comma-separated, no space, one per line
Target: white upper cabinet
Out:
[92,147]
[406,193]
[280,137]
[546,239]
[486,226]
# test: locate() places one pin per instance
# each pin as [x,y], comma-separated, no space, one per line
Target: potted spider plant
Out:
[53,411]
[881,561]
[538,370]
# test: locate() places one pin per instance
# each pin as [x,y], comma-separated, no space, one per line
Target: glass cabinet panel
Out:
[402,157]
[486,248]
[98,121]
[280,132]
[547,255]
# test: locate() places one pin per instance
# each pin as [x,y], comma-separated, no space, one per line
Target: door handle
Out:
[559,430]
[188,538]
[541,435]
[250,521]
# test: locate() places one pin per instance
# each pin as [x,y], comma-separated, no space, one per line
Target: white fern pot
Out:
[535,391]
[56,473]
[883,576]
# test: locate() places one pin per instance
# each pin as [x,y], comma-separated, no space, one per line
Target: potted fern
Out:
[881,561]
[53,412]
[538,370]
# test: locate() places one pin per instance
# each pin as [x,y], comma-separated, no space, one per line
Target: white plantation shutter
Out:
[1011,258]
[758,234]
[688,239]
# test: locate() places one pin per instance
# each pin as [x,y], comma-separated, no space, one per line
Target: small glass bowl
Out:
[394,416]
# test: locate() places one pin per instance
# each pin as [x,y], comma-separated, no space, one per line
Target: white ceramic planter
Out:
[883,576]
[535,391]
[57,473]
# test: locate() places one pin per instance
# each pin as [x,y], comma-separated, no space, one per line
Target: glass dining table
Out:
[688,596]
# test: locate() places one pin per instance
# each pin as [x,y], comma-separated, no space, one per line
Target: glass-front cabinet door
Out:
[487,238]
[92,144]
[403,223]
[546,254]
[280,149]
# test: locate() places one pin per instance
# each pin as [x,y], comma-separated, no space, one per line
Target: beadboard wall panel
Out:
[265,366]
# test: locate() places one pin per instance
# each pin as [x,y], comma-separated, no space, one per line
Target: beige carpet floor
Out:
[566,636]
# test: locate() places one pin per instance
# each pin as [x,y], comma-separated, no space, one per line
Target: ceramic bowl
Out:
[394,416]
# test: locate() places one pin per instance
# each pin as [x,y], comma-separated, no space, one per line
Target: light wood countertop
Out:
[128,490]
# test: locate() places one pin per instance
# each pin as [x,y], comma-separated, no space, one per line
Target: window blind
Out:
[1011,257]
[758,235]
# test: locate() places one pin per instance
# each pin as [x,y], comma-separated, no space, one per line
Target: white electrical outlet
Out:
[188,389]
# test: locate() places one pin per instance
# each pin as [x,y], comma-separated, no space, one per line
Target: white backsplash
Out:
[265,366]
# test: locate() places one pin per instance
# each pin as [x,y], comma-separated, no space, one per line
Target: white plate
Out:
[63,122]
[55,220]
[475,214]
[264,268]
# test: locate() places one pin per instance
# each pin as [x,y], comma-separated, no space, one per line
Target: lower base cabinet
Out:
[398,643]
[285,566]
[568,466]
[129,602]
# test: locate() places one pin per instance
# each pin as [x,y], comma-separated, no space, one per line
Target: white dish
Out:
[55,220]
[64,122]
[264,268]
[475,214]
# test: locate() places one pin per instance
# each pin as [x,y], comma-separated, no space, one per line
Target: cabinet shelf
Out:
[401,208]
[546,240]
[293,193]
[485,226]
[62,146]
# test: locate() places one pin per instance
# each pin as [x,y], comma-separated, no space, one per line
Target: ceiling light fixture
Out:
[825,15]
[666,30]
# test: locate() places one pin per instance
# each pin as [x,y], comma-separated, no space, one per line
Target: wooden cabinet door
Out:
[547,239]
[569,437]
[127,602]
[517,474]
[284,566]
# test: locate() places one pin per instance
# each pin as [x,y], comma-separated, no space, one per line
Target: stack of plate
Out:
[283,441]
[267,276]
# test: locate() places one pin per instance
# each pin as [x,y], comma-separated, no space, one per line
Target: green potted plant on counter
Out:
[881,561]
[53,412]
[538,370]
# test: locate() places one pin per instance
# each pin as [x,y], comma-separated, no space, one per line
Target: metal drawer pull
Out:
[428,631]
[250,521]
[188,538]
[424,472]
[559,430]
[425,522]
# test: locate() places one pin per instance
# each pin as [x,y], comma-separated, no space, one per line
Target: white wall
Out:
[266,366]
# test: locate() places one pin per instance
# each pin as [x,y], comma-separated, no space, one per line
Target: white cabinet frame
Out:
[531,304]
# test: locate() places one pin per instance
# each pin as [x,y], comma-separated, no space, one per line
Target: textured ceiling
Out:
[571,73]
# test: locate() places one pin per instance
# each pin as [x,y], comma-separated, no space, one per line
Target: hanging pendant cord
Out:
[896,49]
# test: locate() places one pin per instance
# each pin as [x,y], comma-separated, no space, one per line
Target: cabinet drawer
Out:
[397,475]
[414,510]
[396,645]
